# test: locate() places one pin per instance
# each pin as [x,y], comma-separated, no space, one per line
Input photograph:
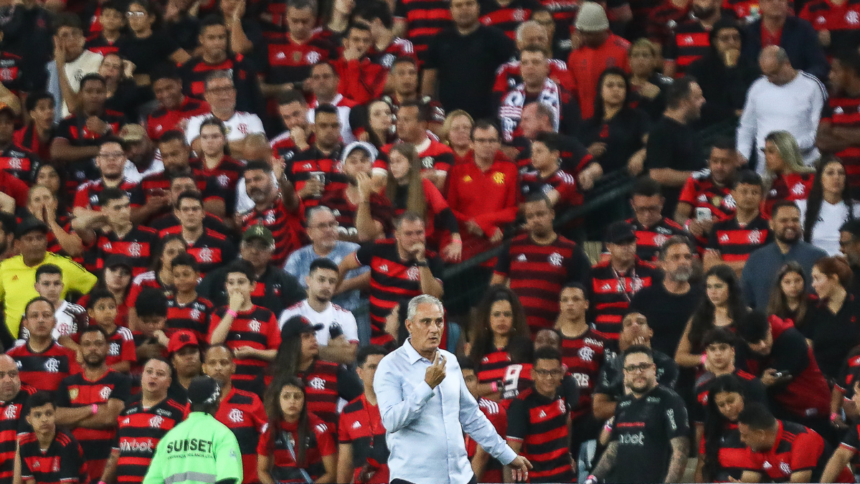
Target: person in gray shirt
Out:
[762,266]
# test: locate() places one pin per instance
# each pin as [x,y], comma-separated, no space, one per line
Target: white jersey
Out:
[333,316]
[239,126]
[70,319]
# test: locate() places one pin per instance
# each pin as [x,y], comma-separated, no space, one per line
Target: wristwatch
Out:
[422,263]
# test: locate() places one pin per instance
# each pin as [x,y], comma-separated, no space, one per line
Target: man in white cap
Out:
[598,49]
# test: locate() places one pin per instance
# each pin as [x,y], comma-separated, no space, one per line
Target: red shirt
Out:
[163,120]
[360,80]
[586,64]
[320,444]
[768,39]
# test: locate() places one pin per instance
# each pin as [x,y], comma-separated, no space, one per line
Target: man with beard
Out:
[651,227]
[338,337]
[89,403]
[670,304]
[711,189]
[276,210]
[690,39]
[413,118]
[674,150]
[174,108]
[538,264]
[143,423]
[293,110]
[324,82]
[110,161]
[317,169]
[649,440]
[141,153]
[13,398]
[242,412]
[763,264]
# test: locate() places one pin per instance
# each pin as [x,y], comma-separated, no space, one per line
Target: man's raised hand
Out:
[436,372]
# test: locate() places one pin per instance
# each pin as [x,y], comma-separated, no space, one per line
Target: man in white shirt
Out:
[75,61]
[338,337]
[70,318]
[220,93]
[783,99]
[425,408]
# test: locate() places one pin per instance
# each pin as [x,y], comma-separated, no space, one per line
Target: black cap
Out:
[298,325]
[6,109]
[28,225]
[620,232]
[203,390]
[117,260]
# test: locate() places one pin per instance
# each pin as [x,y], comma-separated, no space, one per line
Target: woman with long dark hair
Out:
[789,298]
[499,337]
[379,128]
[116,278]
[409,191]
[148,45]
[297,446]
[828,206]
[161,276]
[721,442]
[56,179]
[832,328]
[722,308]
[616,134]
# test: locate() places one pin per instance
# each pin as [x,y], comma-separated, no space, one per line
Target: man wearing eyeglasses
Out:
[651,228]
[110,160]
[539,420]
[649,438]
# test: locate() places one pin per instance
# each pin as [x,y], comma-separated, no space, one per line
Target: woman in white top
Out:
[829,206]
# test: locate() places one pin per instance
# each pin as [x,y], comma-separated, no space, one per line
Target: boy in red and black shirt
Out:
[102,309]
[250,331]
[185,308]
[487,469]
[36,135]
[135,242]
[539,421]
[49,455]
[14,159]
[732,241]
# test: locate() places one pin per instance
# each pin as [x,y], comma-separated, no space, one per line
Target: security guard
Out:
[200,450]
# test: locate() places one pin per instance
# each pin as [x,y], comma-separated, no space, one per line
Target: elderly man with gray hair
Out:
[783,99]
[425,407]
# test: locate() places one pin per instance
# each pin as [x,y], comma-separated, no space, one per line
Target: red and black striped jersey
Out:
[285,148]
[538,272]
[44,370]
[797,448]
[345,212]
[663,21]
[508,76]
[361,427]
[169,224]
[227,173]
[136,246]
[424,20]
[733,455]
[195,71]
[256,328]
[518,378]
[736,243]
[495,362]
[437,111]
[243,413]
[313,162]
[211,251]
[848,374]
[842,21]
[285,226]
[320,443]
[325,382]
[74,129]
[563,12]
[284,60]
[97,43]
[28,138]
[77,391]
[397,48]
[843,111]
[436,156]
[788,186]
[611,293]
[562,182]
[120,347]
[193,316]
[12,424]
[850,441]
[138,432]
[498,416]
[87,195]
[689,43]
[541,424]
[163,120]
[573,155]
[148,279]
[61,463]
[509,17]
[583,356]
[650,240]
[700,191]
[19,162]
[208,188]
[754,391]
[392,282]
[11,73]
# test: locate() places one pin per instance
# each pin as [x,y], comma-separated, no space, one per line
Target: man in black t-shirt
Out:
[649,438]
[674,151]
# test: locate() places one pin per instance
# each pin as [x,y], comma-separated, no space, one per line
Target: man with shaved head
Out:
[13,395]
[766,111]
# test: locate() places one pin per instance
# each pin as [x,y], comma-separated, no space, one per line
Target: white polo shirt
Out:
[333,315]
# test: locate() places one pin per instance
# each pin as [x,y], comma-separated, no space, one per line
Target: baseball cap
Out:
[28,225]
[203,390]
[620,232]
[591,18]
[181,339]
[117,260]
[5,108]
[132,133]
[258,231]
[298,325]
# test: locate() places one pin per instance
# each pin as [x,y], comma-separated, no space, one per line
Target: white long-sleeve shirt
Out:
[423,425]
[794,107]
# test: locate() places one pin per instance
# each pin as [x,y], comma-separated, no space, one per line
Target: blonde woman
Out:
[456,133]
[645,80]
[786,177]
